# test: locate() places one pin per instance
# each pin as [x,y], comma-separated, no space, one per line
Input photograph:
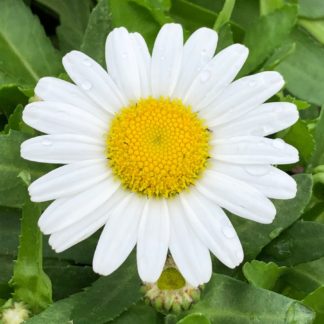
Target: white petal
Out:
[94,81]
[153,240]
[216,76]
[57,118]
[242,96]
[166,60]
[79,231]
[213,228]
[253,150]
[271,181]
[63,149]
[66,211]
[189,253]
[236,196]
[122,63]
[197,52]
[143,58]
[267,119]
[119,235]
[57,90]
[69,180]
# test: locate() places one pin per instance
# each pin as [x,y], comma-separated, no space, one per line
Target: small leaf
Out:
[315,300]
[195,318]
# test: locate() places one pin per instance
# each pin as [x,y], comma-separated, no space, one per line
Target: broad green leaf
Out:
[135,18]
[24,47]
[311,8]
[268,6]
[300,243]
[302,139]
[263,275]
[15,122]
[10,97]
[139,314]
[314,27]
[73,15]
[315,300]
[195,318]
[30,283]
[226,300]
[109,296]
[266,34]
[57,313]
[97,31]
[12,191]
[318,155]
[303,70]
[255,236]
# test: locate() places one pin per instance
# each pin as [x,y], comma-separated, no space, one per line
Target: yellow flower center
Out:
[157,147]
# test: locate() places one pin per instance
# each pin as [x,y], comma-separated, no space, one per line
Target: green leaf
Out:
[26,52]
[302,139]
[109,296]
[12,190]
[300,243]
[318,155]
[98,28]
[73,15]
[263,275]
[195,318]
[226,300]
[314,27]
[10,97]
[266,34]
[135,18]
[311,8]
[15,122]
[225,37]
[225,15]
[315,300]
[288,211]
[303,70]
[31,284]
[268,6]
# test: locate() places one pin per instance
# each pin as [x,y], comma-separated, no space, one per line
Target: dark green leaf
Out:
[109,296]
[300,243]
[26,52]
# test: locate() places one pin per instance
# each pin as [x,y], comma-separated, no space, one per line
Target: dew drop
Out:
[86,85]
[228,231]
[203,51]
[257,170]
[46,142]
[204,76]
[87,62]
[278,143]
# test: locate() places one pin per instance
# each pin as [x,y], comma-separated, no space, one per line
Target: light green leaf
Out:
[303,70]
[266,34]
[97,31]
[255,236]
[73,15]
[109,296]
[26,52]
[226,300]
[225,14]
[315,300]
[263,275]
[311,8]
[268,6]
[30,283]
[314,27]
[195,318]
[300,243]
[13,193]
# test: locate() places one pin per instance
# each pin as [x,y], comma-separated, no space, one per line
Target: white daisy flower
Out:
[155,148]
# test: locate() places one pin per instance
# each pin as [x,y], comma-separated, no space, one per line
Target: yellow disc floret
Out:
[157,147]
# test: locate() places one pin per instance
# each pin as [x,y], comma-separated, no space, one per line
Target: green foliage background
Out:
[282,277]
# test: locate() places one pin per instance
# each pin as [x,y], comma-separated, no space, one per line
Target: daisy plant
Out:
[163,163]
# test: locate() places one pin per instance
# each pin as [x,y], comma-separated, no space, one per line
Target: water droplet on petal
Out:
[252,83]
[257,170]
[162,57]
[86,85]
[267,130]
[46,142]
[278,143]
[87,62]
[203,51]
[204,76]
[228,231]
